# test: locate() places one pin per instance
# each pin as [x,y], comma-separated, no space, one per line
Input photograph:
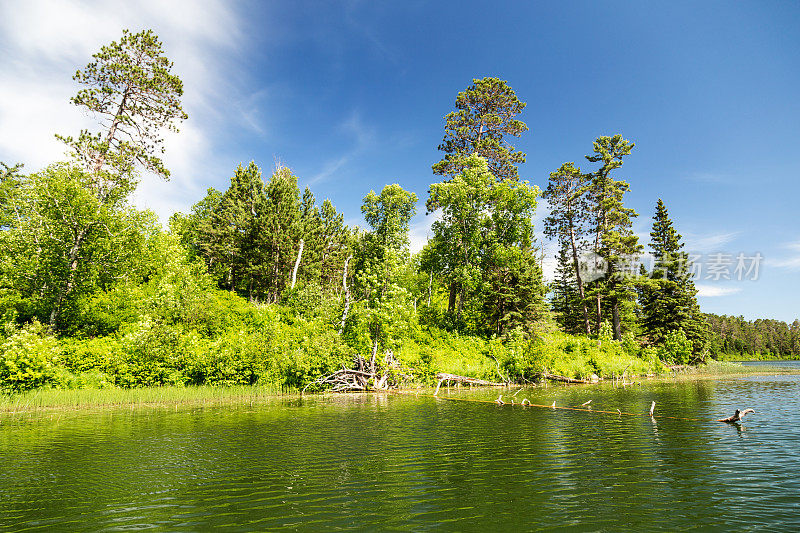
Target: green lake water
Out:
[401,462]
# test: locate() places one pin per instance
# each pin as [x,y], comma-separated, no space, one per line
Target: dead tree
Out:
[364,377]
[297,263]
[736,417]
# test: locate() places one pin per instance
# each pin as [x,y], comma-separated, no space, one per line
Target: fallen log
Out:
[554,377]
[443,376]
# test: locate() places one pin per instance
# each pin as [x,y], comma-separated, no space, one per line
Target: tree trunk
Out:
[451,302]
[599,311]
[615,318]
[297,263]
[430,282]
[346,294]
[72,260]
[461,296]
[374,353]
[577,266]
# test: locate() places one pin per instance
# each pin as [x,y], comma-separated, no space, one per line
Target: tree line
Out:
[73,247]
[733,335]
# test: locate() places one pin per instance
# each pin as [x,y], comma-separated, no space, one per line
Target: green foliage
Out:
[630,345]
[677,349]
[482,247]
[130,88]
[737,338]
[484,116]
[383,310]
[669,299]
[575,357]
[606,332]
[569,223]
[29,358]
[210,302]
[615,240]
[65,244]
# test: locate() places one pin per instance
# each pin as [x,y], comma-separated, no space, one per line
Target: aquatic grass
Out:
[715,369]
[41,399]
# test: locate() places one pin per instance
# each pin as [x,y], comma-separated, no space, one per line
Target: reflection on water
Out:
[405,462]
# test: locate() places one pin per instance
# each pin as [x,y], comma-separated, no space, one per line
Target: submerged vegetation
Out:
[260,285]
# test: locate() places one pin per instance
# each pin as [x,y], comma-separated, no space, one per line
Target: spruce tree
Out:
[669,300]
[227,238]
[565,300]
[280,231]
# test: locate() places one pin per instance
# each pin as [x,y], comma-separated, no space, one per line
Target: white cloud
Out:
[420,230]
[711,291]
[362,135]
[708,242]
[792,262]
[44,42]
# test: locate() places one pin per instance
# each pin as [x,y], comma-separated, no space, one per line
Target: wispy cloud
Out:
[712,291]
[420,230]
[45,42]
[708,177]
[362,137]
[709,242]
[791,261]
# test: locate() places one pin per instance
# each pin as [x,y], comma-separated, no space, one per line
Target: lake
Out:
[402,462]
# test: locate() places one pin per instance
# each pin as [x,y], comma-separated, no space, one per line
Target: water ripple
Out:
[408,463]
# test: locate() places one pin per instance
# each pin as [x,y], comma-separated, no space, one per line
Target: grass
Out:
[754,357]
[43,399]
[714,369]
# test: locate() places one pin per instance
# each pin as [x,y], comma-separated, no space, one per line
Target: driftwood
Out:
[443,376]
[737,416]
[363,377]
[554,377]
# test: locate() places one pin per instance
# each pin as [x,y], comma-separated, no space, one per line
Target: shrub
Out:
[677,349]
[29,358]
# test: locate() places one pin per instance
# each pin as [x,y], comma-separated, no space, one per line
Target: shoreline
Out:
[42,401]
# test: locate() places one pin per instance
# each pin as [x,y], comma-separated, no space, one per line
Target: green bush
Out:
[677,349]
[153,354]
[29,358]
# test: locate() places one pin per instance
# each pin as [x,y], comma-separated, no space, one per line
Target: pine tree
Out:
[669,300]
[568,222]
[615,240]
[566,300]
[483,118]
[228,237]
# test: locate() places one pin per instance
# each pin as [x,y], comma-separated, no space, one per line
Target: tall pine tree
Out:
[615,240]
[568,222]
[485,115]
[669,299]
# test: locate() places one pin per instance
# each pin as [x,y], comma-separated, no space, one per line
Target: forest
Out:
[263,283]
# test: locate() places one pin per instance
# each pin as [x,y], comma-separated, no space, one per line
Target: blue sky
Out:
[352,95]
